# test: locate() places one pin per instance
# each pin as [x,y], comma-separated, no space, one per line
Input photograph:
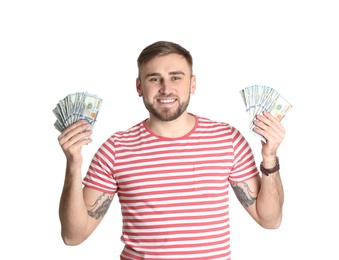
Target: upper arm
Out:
[97,204]
[247,194]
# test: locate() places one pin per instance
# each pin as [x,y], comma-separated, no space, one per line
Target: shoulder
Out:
[214,127]
[207,123]
[128,136]
[132,131]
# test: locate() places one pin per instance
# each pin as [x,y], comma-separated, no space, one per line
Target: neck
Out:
[172,129]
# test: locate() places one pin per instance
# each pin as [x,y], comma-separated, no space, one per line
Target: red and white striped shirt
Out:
[174,192]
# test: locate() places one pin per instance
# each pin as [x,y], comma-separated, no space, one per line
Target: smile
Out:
[166,101]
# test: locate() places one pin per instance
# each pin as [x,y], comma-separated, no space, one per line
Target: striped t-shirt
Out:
[174,192]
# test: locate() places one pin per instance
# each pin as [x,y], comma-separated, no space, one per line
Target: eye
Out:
[175,78]
[155,79]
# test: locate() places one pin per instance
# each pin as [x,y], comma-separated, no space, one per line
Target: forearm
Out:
[270,198]
[72,209]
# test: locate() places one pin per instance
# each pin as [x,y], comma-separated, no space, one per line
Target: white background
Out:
[49,49]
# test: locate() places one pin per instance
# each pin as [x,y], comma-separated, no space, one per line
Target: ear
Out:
[193,84]
[138,87]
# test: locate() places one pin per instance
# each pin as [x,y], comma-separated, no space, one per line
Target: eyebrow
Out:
[171,73]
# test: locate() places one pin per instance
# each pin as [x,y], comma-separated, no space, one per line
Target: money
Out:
[263,98]
[75,107]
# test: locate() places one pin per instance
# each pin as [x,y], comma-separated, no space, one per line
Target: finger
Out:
[73,147]
[270,128]
[270,133]
[75,133]
[271,122]
[65,143]
[71,127]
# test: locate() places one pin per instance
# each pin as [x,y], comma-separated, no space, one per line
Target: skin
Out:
[263,198]
[165,85]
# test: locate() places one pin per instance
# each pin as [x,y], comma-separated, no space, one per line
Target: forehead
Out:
[165,64]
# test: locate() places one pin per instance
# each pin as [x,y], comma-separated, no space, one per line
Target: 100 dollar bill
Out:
[279,109]
[75,107]
[263,98]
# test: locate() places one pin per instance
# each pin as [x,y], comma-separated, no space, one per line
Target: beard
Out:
[166,114]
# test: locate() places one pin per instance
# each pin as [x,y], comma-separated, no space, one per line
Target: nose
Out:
[166,87]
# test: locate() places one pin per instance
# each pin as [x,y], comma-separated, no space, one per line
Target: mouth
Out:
[167,100]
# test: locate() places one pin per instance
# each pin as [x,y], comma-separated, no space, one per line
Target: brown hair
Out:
[162,48]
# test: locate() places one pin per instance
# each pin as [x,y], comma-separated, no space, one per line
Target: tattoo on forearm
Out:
[100,209]
[244,195]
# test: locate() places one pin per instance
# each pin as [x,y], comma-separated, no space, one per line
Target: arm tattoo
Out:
[244,195]
[99,210]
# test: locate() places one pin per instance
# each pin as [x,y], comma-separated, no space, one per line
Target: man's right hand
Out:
[72,139]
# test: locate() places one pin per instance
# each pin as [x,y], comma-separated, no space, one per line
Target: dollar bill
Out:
[258,99]
[75,107]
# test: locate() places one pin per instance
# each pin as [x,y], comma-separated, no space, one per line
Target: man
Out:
[171,172]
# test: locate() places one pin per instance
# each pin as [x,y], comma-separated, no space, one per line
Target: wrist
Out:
[270,167]
[269,161]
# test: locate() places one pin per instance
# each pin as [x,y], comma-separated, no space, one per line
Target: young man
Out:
[171,172]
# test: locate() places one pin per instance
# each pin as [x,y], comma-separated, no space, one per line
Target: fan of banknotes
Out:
[262,98]
[75,107]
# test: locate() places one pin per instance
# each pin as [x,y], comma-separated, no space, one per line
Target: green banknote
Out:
[75,107]
[263,98]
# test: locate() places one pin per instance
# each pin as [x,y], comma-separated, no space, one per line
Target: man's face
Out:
[166,84]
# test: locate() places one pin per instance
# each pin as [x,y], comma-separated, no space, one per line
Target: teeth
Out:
[167,101]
